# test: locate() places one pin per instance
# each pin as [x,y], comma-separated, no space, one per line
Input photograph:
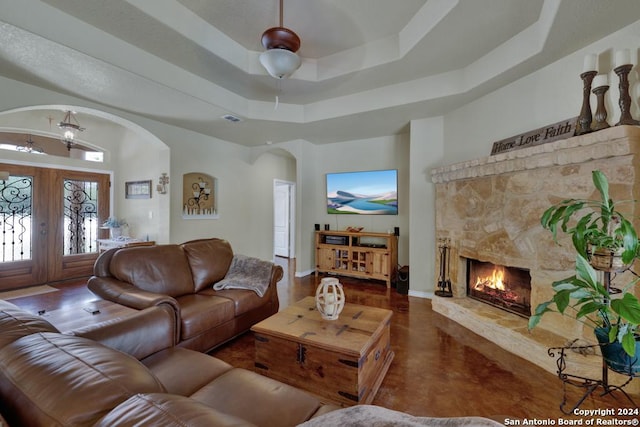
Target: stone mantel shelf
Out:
[608,142]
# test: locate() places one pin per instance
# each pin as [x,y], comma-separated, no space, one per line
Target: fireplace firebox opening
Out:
[508,288]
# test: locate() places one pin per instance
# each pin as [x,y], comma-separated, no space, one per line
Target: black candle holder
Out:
[600,117]
[584,120]
[625,100]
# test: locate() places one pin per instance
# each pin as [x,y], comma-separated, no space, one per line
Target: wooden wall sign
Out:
[560,130]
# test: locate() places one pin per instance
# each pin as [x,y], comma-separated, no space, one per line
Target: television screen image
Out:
[363,193]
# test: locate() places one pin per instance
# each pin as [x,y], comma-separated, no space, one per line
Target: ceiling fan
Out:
[280,59]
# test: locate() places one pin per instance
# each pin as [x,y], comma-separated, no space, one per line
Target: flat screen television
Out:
[363,193]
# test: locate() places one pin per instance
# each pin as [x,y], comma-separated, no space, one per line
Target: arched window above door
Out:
[39,144]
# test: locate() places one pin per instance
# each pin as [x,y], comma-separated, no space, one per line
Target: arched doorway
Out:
[122,142]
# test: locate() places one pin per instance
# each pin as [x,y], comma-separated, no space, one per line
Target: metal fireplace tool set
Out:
[444,282]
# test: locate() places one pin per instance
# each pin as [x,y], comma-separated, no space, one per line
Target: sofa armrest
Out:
[101,266]
[124,293]
[142,334]
[277,273]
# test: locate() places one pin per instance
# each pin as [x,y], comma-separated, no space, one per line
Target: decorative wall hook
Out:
[163,181]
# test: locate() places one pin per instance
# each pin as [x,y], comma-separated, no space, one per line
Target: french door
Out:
[49,224]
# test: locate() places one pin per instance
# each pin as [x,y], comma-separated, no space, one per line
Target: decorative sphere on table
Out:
[329,298]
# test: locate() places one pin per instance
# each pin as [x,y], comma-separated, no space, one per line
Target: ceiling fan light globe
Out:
[280,63]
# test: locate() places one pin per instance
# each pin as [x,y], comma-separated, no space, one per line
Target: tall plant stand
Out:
[589,385]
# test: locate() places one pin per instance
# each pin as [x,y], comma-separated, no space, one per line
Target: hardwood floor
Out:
[440,368]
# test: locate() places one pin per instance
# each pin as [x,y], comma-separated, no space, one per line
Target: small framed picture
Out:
[137,189]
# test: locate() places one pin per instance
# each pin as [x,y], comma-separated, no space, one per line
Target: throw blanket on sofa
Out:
[246,273]
[376,416]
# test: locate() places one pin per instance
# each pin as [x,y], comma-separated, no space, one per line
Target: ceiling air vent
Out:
[230,118]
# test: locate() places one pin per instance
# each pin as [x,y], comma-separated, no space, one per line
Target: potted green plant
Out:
[613,317]
[601,234]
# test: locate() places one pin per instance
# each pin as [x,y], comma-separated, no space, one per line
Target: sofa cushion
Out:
[200,313]
[257,399]
[209,260]
[184,371]
[161,269]
[243,300]
[16,323]
[54,379]
[160,410]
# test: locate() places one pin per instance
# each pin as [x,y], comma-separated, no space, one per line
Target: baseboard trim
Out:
[304,273]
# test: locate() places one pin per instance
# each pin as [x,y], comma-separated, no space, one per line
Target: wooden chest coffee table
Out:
[342,361]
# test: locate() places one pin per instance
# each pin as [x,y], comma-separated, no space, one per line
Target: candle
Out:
[329,301]
[590,62]
[600,80]
[623,57]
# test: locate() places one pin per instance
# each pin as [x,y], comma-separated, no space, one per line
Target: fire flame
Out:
[493,281]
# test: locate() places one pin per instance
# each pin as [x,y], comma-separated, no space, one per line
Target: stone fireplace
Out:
[490,209]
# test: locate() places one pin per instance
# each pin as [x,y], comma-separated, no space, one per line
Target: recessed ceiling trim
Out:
[184,21]
[423,22]
[181,19]
[523,46]
[422,89]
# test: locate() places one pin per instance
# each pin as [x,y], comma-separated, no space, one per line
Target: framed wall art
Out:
[137,189]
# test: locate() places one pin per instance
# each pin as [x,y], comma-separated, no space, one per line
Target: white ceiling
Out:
[369,66]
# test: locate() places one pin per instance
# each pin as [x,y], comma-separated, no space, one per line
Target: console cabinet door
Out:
[326,259]
[380,264]
[359,261]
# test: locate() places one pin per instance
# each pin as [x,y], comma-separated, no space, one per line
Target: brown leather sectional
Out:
[182,277]
[128,372]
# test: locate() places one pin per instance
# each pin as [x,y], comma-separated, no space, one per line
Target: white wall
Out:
[265,169]
[544,97]
[245,201]
[315,161]
[307,186]
[138,159]
[426,152]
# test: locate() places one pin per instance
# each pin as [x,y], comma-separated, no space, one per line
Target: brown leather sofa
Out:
[182,276]
[127,372]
